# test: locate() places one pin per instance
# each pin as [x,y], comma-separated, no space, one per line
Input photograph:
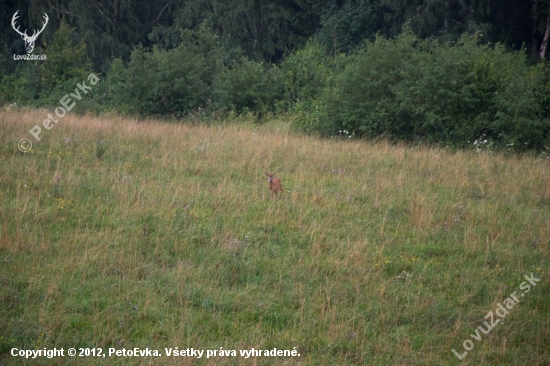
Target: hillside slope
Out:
[123,233]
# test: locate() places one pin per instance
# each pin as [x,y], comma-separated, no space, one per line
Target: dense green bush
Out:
[309,78]
[161,82]
[247,86]
[23,87]
[420,90]
[404,88]
[305,73]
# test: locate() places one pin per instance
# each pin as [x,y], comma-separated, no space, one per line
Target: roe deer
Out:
[275,185]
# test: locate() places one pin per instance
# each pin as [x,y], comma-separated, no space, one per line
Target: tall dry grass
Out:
[137,233]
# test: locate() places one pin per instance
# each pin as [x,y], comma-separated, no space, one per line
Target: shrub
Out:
[163,82]
[309,77]
[305,74]
[424,90]
[247,86]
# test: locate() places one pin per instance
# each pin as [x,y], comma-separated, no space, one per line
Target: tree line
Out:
[450,71]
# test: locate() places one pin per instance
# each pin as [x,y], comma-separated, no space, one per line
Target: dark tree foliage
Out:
[110,28]
[345,26]
[268,29]
[435,70]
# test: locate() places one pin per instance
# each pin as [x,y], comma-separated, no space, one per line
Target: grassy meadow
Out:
[134,233]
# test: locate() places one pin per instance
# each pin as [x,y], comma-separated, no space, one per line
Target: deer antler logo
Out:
[29,41]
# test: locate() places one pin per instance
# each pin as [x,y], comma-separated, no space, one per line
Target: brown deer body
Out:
[275,185]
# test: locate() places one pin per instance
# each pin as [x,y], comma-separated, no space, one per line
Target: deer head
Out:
[29,41]
[275,185]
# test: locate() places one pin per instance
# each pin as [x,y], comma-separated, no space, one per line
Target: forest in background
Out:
[439,71]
